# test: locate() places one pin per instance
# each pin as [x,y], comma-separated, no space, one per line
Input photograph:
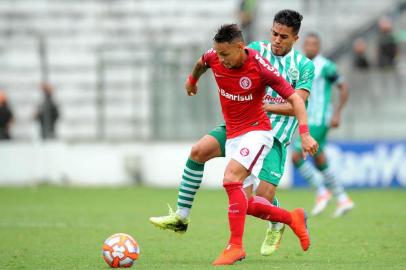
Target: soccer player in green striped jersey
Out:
[321,118]
[299,72]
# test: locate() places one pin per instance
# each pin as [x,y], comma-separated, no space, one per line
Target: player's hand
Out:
[309,145]
[191,89]
[335,121]
[266,107]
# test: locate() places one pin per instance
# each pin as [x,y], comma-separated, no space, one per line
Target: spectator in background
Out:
[387,45]
[247,13]
[360,60]
[6,117]
[47,113]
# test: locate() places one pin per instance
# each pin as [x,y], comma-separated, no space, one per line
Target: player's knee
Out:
[296,158]
[320,159]
[268,194]
[231,176]
[199,153]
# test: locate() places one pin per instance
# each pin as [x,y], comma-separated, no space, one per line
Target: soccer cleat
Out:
[321,203]
[343,207]
[272,241]
[171,222]
[230,255]
[299,227]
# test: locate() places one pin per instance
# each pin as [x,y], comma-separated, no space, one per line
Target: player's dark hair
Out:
[228,33]
[290,18]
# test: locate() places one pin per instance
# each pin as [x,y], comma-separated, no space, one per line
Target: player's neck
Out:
[282,55]
[312,58]
[244,58]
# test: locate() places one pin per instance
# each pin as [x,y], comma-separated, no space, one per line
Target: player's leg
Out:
[271,172]
[208,147]
[234,176]
[247,153]
[270,175]
[307,170]
[261,207]
[274,232]
[344,203]
[297,220]
[205,149]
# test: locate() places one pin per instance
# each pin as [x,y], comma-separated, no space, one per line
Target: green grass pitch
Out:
[64,228]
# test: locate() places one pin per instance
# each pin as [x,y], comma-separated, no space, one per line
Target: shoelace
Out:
[273,237]
[170,209]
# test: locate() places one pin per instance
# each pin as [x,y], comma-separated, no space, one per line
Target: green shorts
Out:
[219,133]
[274,163]
[319,133]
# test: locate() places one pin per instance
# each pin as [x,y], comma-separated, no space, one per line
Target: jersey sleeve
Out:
[255,45]
[331,73]
[306,76]
[208,57]
[258,46]
[272,78]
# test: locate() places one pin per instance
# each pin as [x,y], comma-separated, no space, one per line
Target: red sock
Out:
[237,210]
[261,208]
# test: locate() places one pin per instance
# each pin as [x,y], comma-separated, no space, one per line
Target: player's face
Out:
[282,38]
[230,54]
[311,47]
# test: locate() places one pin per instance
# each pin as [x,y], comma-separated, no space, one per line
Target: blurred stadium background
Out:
[118,68]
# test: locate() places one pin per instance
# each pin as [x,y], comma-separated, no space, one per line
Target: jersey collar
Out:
[280,58]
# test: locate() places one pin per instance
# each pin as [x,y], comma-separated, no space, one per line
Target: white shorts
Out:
[250,150]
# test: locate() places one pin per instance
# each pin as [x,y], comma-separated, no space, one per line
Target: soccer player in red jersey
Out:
[242,76]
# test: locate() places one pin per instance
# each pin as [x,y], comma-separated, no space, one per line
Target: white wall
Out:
[157,164]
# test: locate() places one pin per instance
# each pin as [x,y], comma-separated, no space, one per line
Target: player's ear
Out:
[241,45]
[296,37]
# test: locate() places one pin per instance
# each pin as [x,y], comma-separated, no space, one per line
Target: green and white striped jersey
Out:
[298,70]
[320,108]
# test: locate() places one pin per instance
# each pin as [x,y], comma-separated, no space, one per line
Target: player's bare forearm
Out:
[282,109]
[286,108]
[191,82]
[198,69]
[343,87]
[309,145]
[336,119]
[298,108]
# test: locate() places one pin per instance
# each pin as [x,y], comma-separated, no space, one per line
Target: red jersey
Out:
[241,91]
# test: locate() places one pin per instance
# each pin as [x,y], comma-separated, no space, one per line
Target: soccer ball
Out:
[120,250]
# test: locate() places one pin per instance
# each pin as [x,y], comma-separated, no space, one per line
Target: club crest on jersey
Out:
[293,74]
[245,83]
[244,152]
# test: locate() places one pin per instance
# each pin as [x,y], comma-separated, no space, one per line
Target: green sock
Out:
[275,225]
[275,201]
[310,173]
[332,183]
[191,180]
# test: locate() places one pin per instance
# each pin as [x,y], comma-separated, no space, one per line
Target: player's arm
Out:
[303,87]
[273,79]
[286,108]
[191,82]
[342,86]
[199,68]
[309,145]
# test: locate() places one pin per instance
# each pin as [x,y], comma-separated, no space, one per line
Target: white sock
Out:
[321,190]
[276,225]
[183,212]
[342,197]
